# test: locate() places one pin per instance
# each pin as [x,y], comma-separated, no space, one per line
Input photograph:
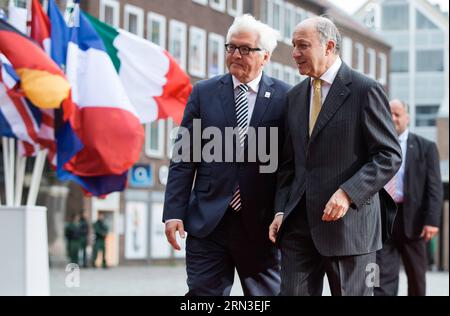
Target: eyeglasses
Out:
[243,50]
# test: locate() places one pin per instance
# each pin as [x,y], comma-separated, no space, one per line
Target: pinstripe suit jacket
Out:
[353,147]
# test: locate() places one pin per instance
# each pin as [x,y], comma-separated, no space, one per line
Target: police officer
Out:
[72,234]
[100,230]
[84,233]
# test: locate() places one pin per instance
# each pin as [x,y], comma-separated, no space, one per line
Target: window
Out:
[429,60]
[395,17]
[203,2]
[400,61]
[426,115]
[289,22]
[218,5]
[372,58]
[288,75]
[359,65]
[369,18]
[264,15]
[216,51]
[268,69]
[235,7]
[154,139]
[382,61]
[277,71]
[277,15]
[197,52]
[423,23]
[134,20]
[300,15]
[21,4]
[156,29]
[110,12]
[177,42]
[347,51]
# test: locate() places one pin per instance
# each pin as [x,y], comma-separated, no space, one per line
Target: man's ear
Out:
[266,58]
[331,45]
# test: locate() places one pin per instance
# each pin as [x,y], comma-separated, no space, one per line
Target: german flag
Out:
[42,81]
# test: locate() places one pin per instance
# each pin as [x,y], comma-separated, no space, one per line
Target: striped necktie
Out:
[242,123]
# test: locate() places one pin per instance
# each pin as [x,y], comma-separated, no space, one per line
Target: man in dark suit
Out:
[417,190]
[229,210]
[341,149]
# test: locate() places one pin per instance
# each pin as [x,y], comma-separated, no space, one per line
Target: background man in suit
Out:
[228,212]
[341,149]
[417,190]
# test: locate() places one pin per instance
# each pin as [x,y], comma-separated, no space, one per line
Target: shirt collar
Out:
[331,73]
[253,85]
[404,136]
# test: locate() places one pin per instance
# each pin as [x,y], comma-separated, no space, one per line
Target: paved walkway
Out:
[170,280]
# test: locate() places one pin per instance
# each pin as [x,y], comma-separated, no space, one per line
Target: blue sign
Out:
[141,176]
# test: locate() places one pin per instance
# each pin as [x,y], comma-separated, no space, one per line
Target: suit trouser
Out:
[303,268]
[414,256]
[211,261]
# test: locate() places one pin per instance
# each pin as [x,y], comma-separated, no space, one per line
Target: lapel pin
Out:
[267,95]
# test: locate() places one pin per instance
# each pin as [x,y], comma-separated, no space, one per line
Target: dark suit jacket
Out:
[354,147]
[202,208]
[423,191]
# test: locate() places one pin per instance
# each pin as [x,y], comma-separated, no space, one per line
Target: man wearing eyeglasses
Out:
[229,210]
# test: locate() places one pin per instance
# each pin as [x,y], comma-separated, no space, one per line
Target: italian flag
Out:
[157,86]
[105,120]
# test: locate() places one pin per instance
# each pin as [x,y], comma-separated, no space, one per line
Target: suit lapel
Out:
[336,96]
[303,110]
[263,99]
[227,98]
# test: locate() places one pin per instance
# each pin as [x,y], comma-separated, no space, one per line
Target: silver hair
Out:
[267,36]
[329,32]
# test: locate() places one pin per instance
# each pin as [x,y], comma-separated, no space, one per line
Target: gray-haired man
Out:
[230,209]
[341,149]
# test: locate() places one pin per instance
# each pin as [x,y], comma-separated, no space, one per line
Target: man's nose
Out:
[238,53]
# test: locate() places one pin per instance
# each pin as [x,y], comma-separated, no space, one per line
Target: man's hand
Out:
[275,227]
[337,206]
[171,229]
[429,232]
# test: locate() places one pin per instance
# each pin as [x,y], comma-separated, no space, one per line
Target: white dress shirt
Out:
[252,93]
[400,176]
[327,80]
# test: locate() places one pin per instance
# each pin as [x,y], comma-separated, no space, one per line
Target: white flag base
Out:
[24,265]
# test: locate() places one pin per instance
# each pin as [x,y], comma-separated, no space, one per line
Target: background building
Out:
[194,32]
[418,34]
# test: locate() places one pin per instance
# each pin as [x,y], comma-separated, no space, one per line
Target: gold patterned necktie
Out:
[316,104]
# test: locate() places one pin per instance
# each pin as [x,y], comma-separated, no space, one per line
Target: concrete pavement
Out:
[170,280]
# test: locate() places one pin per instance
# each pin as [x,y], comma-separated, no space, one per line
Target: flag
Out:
[20,119]
[157,86]
[105,126]
[40,26]
[41,80]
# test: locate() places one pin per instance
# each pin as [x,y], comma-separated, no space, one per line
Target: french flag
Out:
[103,137]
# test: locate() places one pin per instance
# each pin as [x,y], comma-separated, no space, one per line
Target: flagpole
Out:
[6,168]
[38,169]
[12,155]
[20,176]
